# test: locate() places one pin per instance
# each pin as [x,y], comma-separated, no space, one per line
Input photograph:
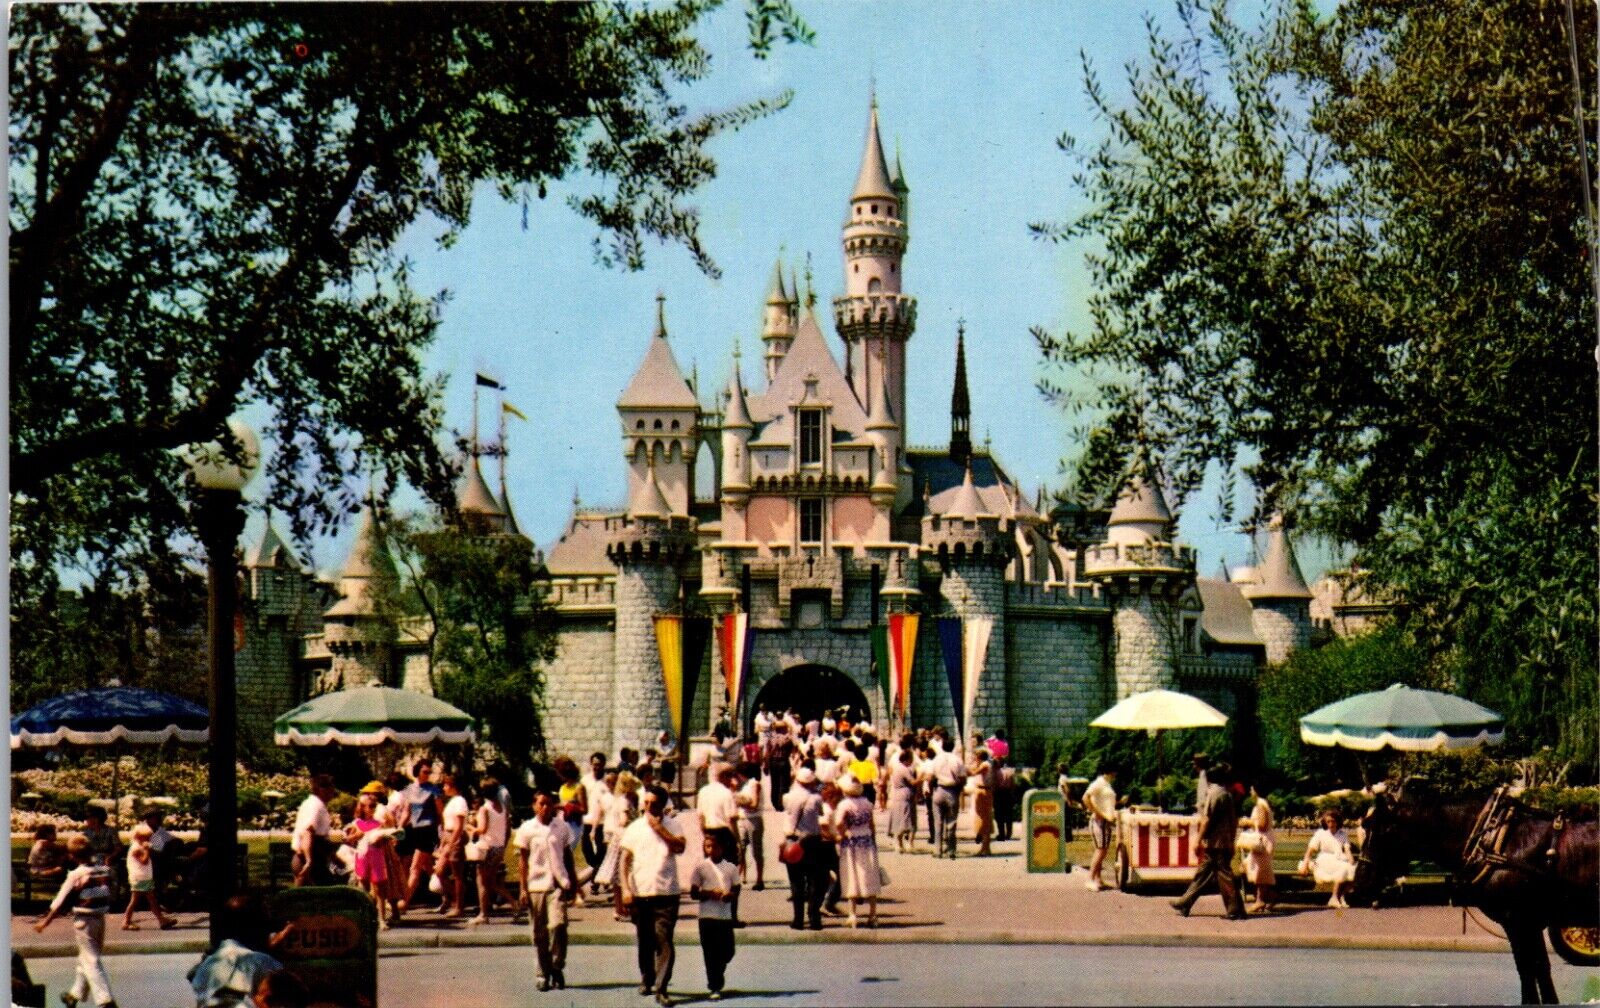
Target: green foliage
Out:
[1313,678]
[204,206]
[1147,773]
[1579,803]
[1345,255]
[492,631]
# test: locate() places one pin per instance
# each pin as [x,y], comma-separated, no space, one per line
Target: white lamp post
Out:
[222,477]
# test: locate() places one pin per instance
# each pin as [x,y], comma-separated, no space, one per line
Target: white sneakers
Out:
[1094,885]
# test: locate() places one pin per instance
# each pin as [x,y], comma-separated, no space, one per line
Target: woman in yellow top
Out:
[863,769]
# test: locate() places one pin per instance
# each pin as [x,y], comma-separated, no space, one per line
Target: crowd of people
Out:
[610,835]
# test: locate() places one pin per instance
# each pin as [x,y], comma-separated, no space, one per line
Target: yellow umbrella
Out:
[1156,711]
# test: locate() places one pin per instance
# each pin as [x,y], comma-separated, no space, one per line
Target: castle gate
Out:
[811,689]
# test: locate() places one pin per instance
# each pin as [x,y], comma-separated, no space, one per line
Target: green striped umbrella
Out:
[372,715]
[1411,720]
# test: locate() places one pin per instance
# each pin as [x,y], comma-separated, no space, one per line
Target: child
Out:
[47,859]
[142,879]
[715,883]
[88,885]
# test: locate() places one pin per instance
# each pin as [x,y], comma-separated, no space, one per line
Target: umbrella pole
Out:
[116,803]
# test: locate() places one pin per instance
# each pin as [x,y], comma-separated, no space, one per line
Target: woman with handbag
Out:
[1258,859]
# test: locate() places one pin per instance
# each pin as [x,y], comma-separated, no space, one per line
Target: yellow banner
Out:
[669,641]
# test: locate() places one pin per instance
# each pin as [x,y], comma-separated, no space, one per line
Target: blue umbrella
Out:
[108,716]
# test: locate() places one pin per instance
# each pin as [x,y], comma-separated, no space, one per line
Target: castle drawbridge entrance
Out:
[811,689]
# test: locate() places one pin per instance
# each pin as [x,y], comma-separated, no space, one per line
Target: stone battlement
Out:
[1112,558]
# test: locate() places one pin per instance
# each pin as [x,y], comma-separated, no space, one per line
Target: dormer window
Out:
[810,437]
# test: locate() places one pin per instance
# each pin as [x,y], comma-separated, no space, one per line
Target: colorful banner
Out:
[883,672]
[974,648]
[736,642]
[669,641]
[696,640]
[902,646]
[950,647]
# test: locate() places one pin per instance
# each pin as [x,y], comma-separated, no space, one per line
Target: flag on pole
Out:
[682,643]
[506,407]
[488,382]
[736,641]
[696,638]
[669,641]
[902,655]
[883,672]
[950,647]
[975,634]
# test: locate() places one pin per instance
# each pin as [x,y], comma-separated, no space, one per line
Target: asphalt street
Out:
[843,974]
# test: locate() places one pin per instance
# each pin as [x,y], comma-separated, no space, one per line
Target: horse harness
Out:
[1485,849]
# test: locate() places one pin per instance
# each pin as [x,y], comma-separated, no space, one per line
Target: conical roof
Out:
[1278,575]
[872,182]
[272,551]
[738,414]
[1140,502]
[659,382]
[960,401]
[648,501]
[776,295]
[965,504]
[474,497]
[510,515]
[367,560]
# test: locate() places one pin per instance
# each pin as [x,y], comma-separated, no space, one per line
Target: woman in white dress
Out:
[1258,860]
[855,831]
[1328,859]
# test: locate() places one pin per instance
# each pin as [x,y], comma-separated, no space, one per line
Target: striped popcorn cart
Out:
[1155,847]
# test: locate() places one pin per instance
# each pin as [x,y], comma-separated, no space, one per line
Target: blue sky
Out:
[973,96]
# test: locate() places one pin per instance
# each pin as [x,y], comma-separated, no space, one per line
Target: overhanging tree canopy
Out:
[1350,251]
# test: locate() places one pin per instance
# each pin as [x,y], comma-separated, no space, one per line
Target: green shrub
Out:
[1576,803]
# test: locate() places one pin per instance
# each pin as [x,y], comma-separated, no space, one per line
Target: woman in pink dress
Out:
[853,828]
[1258,859]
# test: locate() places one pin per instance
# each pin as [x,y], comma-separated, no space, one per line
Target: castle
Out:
[822,523]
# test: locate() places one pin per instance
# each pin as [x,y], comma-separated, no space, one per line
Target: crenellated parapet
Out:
[875,315]
[636,539]
[1109,560]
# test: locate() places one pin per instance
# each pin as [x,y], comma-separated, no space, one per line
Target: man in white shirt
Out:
[648,870]
[949,777]
[1100,800]
[718,808]
[309,841]
[594,793]
[548,879]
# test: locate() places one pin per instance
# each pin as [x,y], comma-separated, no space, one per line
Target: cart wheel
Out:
[1124,870]
[1579,946]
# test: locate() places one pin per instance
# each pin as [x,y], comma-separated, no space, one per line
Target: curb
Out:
[401,943]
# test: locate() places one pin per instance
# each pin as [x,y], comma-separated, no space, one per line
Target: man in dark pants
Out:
[648,872]
[808,878]
[779,751]
[1219,825]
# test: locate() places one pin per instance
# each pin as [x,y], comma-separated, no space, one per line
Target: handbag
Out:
[791,852]
[475,849]
[883,876]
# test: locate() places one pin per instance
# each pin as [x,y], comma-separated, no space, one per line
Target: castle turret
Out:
[1280,602]
[973,546]
[778,321]
[356,631]
[281,605]
[1144,574]
[873,317]
[660,422]
[481,512]
[887,440]
[649,547]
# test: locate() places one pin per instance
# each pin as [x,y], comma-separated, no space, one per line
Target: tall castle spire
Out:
[873,317]
[777,320]
[960,403]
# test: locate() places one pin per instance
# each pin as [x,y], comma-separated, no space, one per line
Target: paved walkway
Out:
[972,900]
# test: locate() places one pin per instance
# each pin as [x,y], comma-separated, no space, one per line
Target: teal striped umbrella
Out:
[1403,718]
[372,715]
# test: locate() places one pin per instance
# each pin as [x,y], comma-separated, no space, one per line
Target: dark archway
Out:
[810,690]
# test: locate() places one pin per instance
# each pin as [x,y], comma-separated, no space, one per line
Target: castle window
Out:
[658,425]
[891,267]
[811,519]
[674,425]
[874,208]
[639,425]
[858,211]
[874,285]
[810,437]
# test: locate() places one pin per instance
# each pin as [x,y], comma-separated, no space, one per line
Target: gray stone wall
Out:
[281,607]
[1143,643]
[578,690]
[849,651]
[1058,678]
[979,589]
[638,695]
[1284,626]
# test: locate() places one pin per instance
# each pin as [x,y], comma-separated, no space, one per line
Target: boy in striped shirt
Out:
[88,888]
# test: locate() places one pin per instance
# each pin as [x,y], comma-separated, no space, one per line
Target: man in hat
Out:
[808,877]
[1202,763]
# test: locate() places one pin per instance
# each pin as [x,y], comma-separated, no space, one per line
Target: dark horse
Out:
[1529,872]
